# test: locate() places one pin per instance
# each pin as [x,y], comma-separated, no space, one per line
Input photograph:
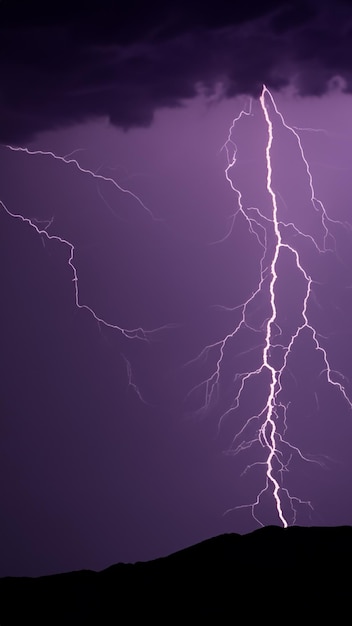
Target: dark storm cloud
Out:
[59,67]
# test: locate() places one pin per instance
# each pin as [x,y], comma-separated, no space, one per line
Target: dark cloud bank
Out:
[61,65]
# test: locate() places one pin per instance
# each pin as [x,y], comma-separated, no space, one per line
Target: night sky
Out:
[109,450]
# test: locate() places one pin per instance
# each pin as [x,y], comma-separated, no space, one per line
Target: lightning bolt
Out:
[43,228]
[273,234]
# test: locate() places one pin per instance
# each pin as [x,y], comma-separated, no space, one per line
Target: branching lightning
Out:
[272,235]
[43,227]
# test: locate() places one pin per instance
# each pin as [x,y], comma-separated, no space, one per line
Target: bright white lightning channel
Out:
[272,418]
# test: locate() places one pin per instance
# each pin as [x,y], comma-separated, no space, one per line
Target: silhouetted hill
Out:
[273,574]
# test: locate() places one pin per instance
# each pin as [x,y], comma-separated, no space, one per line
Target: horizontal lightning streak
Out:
[69,161]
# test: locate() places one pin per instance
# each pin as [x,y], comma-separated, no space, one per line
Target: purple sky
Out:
[92,474]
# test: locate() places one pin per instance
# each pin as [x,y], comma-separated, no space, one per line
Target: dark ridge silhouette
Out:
[276,575]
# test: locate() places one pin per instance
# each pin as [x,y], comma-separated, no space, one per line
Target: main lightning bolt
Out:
[273,235]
